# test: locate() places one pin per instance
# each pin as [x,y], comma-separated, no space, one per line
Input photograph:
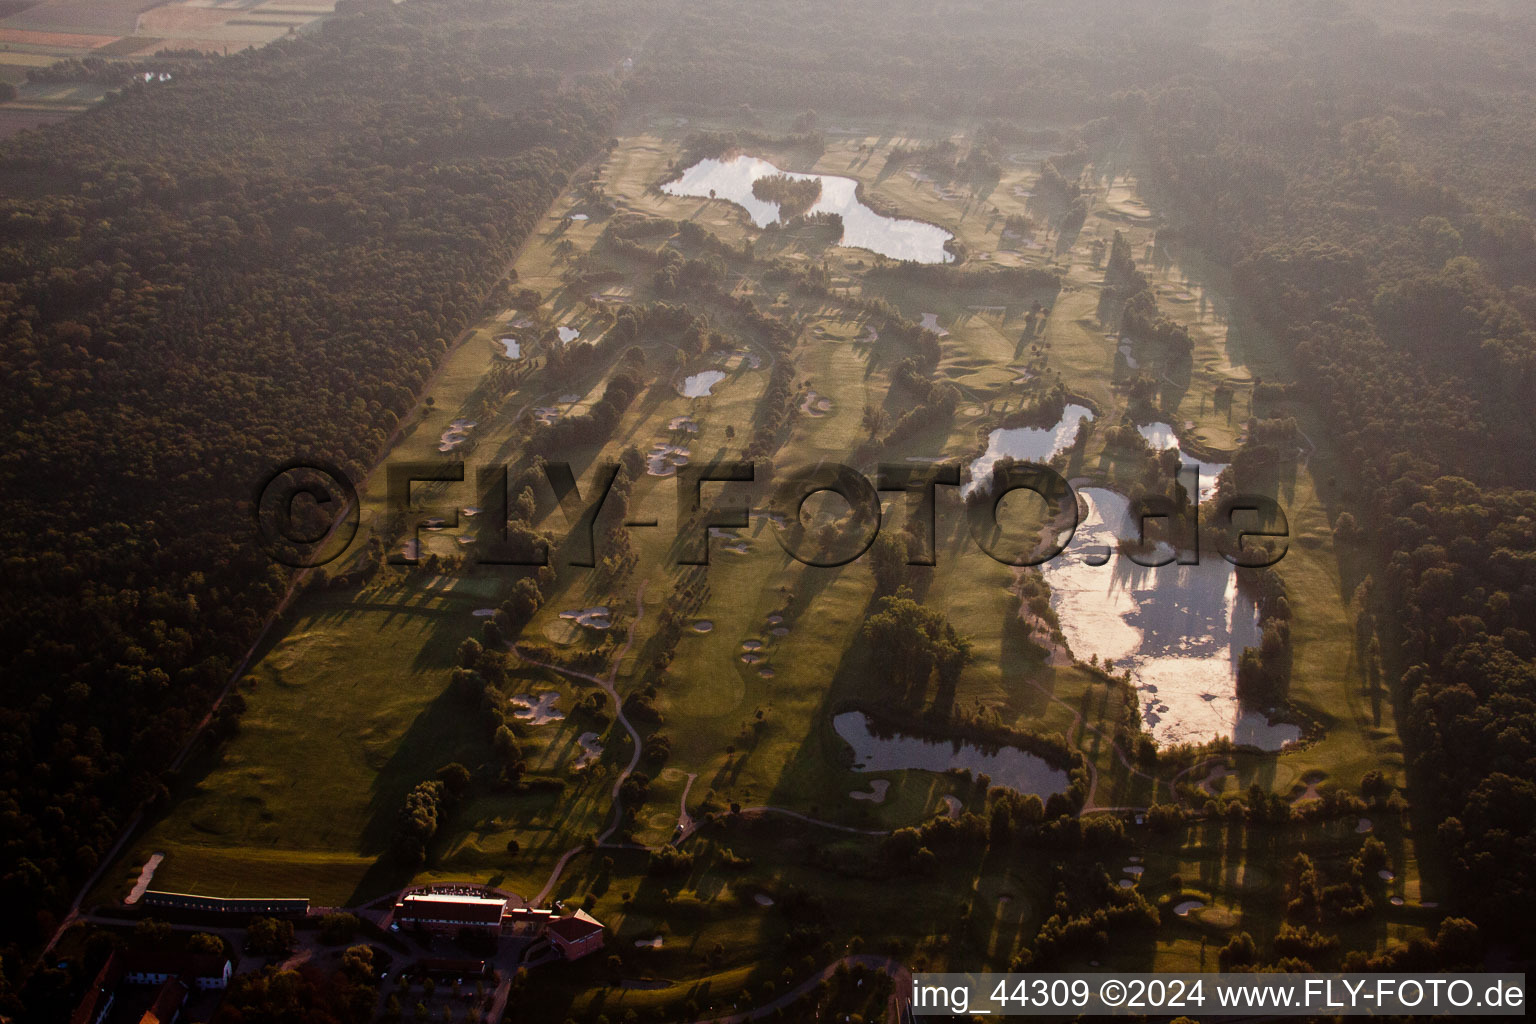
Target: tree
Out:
[202,942]
[269,936]
[888,560]
[455,779]
[338,928]
[151,934]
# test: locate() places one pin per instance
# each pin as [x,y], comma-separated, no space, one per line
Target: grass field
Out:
[350,705]
[42,34]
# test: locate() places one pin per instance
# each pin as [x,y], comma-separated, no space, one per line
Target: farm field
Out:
[737,674]
[41,34]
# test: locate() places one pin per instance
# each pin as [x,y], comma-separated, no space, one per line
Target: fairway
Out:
[740,666]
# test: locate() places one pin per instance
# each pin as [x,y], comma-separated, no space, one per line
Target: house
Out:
[173,972]
[451,912]
[166,1009]
[96,1003]
[202,971]
[575,936]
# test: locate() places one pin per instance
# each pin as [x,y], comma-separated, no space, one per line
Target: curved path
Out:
[607,683]
[684,819]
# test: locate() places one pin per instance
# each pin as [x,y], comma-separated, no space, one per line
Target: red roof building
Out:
[451,912]
[173,972]
[575,936]
[166,1009]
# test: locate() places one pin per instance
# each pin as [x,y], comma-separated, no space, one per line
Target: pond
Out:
[1005,766]
[863,228]
[1027,444]
[699,384]
[1178,629]
[1161,437]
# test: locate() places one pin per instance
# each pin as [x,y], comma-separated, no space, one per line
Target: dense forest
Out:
[1402,284]
[1373,194]
[268,256]
[263,259]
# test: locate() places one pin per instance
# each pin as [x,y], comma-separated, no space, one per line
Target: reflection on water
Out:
[699,385]
[1161,437]
[863,228]
[1179,629]
[1027,444]
[1006,766]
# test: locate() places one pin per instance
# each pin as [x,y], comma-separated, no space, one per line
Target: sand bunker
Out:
[593,618]
[734,542]
[683,423]
[663,459]
[146,873]
[567,334]
[483,613]
[591,750]
[652,943]
[762,899]
[815,404]
[514,350]
[766,672]
[876,792]
[1364,826]
[1183,909]
[931,322]
[546,414]
[703,626]
[753,658]
[536,710]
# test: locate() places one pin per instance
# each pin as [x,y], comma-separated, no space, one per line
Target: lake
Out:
[1179,629]
[1160,437]
[1006,766]
[863,228]
[699,384]
[1026,444]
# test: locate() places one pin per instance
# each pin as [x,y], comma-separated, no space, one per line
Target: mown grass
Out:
[348,708]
